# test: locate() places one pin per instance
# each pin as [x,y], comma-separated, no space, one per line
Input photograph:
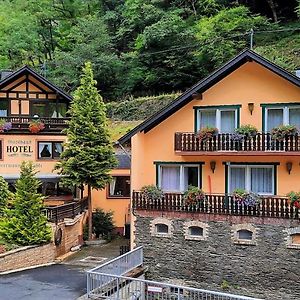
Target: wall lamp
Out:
[213,166]
[289,166]
[251,107]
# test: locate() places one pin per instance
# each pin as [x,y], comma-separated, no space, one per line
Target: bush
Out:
[103,224]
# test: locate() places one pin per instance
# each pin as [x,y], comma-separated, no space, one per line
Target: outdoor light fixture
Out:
[213,166]
[289,166]
[251,107]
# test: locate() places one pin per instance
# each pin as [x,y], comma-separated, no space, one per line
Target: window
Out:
[119,187]
[161,228]
[296,239]
[4,108]
[245,234]
[225,119]
[293,238]
[196,231]
[285,115]
[49,150]
[258,179]
[177,178]
[54,188]
[49,109]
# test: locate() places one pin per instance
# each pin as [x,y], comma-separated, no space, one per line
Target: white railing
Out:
[114,287]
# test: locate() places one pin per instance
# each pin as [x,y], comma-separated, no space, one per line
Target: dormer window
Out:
[226,118]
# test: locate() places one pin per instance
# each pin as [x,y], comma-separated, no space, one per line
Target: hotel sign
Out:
[17,148]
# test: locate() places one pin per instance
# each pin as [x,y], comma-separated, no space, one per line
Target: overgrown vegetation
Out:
[142,47]
[103,224]
[24,223]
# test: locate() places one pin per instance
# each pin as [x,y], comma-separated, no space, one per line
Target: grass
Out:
[119,128]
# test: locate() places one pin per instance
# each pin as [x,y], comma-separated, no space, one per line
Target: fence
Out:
[271,207]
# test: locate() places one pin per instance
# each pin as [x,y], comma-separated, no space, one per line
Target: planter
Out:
[193,195]
[294,199]
[152,193]
[280,133]
[246,131]
[36,126]
[243,197]
[206,133]
[5,126]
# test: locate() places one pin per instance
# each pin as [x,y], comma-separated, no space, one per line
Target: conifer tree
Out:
[4,195]
[24,223]
[88,155]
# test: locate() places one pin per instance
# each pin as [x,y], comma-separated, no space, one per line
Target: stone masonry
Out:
[266,268]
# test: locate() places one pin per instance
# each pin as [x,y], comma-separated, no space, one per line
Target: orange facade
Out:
[249,83]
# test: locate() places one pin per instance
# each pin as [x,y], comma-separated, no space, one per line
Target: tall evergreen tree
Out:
[25,224]
[4,195]
[88,155]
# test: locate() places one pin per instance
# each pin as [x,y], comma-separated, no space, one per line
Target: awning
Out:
[42,177]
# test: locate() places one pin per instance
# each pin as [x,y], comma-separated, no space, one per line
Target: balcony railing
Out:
[22,123]
[225,142]
[271,206]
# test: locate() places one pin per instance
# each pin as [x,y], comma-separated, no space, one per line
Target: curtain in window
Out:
[170,178]
[112,186]
[208,118]
[237,178]
[227,121]
[275,118]
[262,180]
[295,117]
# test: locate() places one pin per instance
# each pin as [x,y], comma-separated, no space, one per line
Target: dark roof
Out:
[123,161]
[27,70]
[206,83]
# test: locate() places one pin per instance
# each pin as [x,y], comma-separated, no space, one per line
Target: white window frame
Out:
[218,116]
[181,166]
[248,176]
[286,115]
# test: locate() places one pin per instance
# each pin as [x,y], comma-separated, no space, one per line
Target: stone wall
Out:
[266,267]
[27,257]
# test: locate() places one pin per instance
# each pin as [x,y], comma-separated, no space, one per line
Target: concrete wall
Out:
[267,267]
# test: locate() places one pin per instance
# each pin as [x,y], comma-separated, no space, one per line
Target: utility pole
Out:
[251,38]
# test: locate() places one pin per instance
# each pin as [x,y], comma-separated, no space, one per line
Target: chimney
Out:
[297,72]
[4,74]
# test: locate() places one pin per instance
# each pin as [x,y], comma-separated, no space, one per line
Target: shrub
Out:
[281,132]
[5,195]
[207,133]
[152,192]
[193,195]
[103,224]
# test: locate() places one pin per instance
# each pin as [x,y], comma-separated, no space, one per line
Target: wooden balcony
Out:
[187,143]
[21,124]
[270,207]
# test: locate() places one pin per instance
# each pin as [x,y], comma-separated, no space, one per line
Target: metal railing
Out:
[116,287]
[224,142]
[118,266]
[222,204]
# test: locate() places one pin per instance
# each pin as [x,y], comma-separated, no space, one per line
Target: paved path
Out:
[65,281]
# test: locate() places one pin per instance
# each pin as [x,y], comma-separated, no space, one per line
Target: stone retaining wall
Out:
[265,267]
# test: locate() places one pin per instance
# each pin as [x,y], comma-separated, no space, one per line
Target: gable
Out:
[204,85]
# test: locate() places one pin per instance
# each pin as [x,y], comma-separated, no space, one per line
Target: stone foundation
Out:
[265,268]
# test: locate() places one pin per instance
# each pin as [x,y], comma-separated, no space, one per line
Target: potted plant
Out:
[193,195]
[36,126]
[246,131]
[5,126]
[294,198]
[206,133]
[152,192]
[243,197]
[281,132]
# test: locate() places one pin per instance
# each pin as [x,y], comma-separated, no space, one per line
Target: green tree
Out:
[4,195]
[103,223]
[24,223]
[88,155]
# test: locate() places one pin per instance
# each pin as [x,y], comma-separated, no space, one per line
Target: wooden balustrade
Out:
[22,123]
[224,142]
[271,206]
[70,210]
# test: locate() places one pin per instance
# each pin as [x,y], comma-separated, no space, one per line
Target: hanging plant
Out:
[152,192]
[294,198]
[5,126]
[281,132]
[193,195]
[206,133]
[246,131]
[35,126]
[243,197]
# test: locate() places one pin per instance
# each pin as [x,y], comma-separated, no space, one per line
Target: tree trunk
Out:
[273,8]
[90,212]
